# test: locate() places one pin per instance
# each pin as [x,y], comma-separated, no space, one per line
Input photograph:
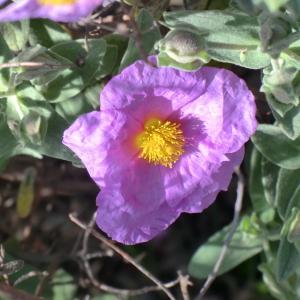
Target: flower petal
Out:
[129,220]
[216,113]
[26,9]
[226,109]
[143,86]
[100,140]
[130,224]
[202,197]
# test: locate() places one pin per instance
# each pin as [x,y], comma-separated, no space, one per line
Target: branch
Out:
[11,293]
[237,210]
[185,4]
[30,275]
[126,257]
[31,64]
[184,282]
[138,38]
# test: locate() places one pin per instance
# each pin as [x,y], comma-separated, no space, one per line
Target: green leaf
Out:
[287,260]
[287,184]
[5,56]
[11,267]
[69,83]
[40,75]
[62,288]
[94,60]
[105,297]
[277,147]
[110,60]
[72,108]
[149,35]
[269,179]
[85,66]
[26,100]
[290,123]
[278,81]
[52,145]
[280,290]
[7,143]
[47,33]
[273,5]
[164,60]
[121,43]
[26,193]
[230,35]
[291,227]
[29,285]
[243,246]
[33,128]
[15,34]
[28,92]
[278,108]
[262,207]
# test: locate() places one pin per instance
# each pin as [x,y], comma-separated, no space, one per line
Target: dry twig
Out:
[31,64]
[237,210]
[11,293]
[101,286]
[184,282]
[30,275]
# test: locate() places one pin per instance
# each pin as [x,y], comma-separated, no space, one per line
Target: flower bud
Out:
[34,127]
[281,81]
[184,46]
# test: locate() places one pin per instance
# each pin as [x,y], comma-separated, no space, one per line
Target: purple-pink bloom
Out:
[57,10]
[164,142]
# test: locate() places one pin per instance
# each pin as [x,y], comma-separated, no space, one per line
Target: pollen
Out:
[56,2]
[161,142]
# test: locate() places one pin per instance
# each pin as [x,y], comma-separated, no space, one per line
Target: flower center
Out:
[161,143]
[56,2]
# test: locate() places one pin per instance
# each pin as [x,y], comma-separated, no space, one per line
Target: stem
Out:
[234,225]
[123,254]
[237,47]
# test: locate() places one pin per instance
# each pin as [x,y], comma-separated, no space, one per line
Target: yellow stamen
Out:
[161,143]
[56,2]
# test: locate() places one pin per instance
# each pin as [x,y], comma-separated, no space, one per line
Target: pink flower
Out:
[164,142]
[57,10]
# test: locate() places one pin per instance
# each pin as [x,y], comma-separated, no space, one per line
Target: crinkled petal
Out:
[100,140]
[202,197]
[216,113]
[141,89]
[129,220]
[226,110]
[127,223]
[26,9]
[191,171]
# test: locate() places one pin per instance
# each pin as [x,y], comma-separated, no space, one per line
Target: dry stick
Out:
[237,209]
[138,38]
[83,255]
[10,292]
[2,257]
[30,275]
[185,4]
[126,257]
[130,293]
[103,287]
[125,292]
[30,64]
[184,283]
